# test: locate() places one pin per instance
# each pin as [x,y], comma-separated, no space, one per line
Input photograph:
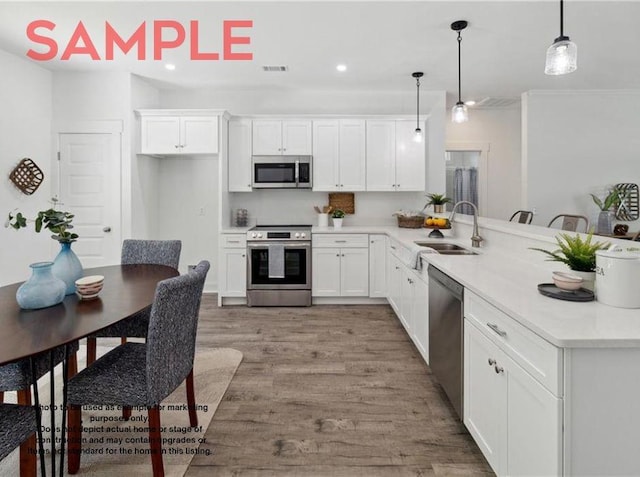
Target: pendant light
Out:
[417,137]
[459,113]
[562,56]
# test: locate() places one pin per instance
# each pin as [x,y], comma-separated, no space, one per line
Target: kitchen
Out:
[522,139]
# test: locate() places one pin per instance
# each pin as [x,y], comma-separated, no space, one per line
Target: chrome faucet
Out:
[475,238]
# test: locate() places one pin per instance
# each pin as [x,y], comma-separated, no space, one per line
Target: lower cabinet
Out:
[377,266]
[340,272]
[233,280]
[516,422]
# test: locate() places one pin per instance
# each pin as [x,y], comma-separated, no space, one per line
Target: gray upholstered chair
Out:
[144,374]
[16,376]
[571,222]
[17,425]
[155,252]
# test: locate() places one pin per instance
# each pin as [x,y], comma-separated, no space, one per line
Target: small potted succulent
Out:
[579,255]
[337,216]
[438,201]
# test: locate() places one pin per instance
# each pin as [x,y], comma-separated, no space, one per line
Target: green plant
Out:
[613,198]
[57,221]
[337,214]
[578,254]
[437,199]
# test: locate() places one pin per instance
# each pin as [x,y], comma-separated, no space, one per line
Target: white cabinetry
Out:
[339,159]
[272,137]
[515,420]
[394,161]
[377,266]
[340,265]
[233,266]
[239,168]
[167,133]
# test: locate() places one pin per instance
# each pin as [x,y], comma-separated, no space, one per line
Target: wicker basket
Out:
[414,222]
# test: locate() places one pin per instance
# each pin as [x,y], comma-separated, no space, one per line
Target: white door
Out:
[352,155]
[267,137]
[406,299]
[239,164]
[394,283]
[160,135]
[199,135]
[326,159]
[410,158]
[89,188]
[325,272]
[296,138]
[235,266]
[354,272]
[421,318]
[378,266]
[381,151]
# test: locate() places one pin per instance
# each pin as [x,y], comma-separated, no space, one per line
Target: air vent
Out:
[497,103]
[275,68]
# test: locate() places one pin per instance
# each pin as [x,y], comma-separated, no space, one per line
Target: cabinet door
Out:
[352,155]
[534,425]
[406,299]
[485,394]
[354,272]
[394,283]
[239,165]
[160,135]
[326,159]
[326,272]
[377,266]
[267,137]
[199,135]
[420,316]
[381,151]
[235,272]
[410,158]
[296,138]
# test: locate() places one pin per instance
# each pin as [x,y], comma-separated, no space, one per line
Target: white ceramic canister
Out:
[323,220]
[618,277]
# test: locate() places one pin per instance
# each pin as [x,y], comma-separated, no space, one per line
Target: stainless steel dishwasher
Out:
[446,334]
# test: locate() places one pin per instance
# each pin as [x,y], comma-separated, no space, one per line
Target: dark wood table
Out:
[127,290]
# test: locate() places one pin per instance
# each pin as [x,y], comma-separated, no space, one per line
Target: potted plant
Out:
[579,255]
[66,265]
[605,218]
[438,201]
[337,216]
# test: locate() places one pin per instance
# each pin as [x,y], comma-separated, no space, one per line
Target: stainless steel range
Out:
[279,265]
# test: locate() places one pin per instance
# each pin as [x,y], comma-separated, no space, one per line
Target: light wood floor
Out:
[328,391]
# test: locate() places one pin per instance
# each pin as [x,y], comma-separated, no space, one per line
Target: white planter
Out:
[337,223]
[323,220]
[589,279]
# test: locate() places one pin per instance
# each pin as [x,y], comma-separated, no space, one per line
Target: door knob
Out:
[107,229]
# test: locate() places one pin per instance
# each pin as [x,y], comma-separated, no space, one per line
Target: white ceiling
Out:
[382,43]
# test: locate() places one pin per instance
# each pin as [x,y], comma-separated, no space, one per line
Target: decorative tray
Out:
[552,291]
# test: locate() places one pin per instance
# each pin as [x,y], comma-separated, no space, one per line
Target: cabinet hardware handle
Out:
[243,255]
[337,185]
[341,185]
[340,241]
[248,185]
[284,149]
[343,254]
[233,241]
[492,361]
[397,268]
[279,149]
[392,247]
[176,146]
[499,369]
[497,330]
[337,254]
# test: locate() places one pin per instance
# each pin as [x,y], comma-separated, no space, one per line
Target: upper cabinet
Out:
[395,162]
[169,132]
[240,155]
[279,138]
[339,159]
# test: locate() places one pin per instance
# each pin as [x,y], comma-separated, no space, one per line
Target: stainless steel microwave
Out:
[281,172]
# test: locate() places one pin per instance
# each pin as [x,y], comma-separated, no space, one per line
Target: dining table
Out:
[25,334]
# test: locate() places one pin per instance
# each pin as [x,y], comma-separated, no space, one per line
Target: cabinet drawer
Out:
[341,240]
[234,241]
[536,355]
[400,251]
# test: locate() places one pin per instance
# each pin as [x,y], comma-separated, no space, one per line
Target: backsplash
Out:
[284,206]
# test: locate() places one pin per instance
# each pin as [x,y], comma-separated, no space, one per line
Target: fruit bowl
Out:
[437,224]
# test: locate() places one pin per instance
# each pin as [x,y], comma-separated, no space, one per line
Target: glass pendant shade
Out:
[459,113]
[562,57]
[417,135]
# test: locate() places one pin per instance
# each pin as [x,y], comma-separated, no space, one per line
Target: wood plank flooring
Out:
[328,391]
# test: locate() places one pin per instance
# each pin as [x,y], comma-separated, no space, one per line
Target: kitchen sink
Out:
[447,248]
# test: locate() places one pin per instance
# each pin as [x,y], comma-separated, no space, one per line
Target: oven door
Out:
[297,267]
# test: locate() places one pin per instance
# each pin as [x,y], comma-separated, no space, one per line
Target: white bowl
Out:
[90,280]
[89,287]
[567,281]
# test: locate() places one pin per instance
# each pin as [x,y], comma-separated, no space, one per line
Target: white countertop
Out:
[510,283]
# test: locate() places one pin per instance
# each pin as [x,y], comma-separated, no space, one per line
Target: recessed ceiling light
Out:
[341,68]
[470,103]
[170,66]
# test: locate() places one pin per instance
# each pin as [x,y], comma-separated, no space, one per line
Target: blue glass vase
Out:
[42,289]
[67,267]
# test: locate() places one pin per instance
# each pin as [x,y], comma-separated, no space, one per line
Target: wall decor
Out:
[344,201]
[629,207]
[27,176]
